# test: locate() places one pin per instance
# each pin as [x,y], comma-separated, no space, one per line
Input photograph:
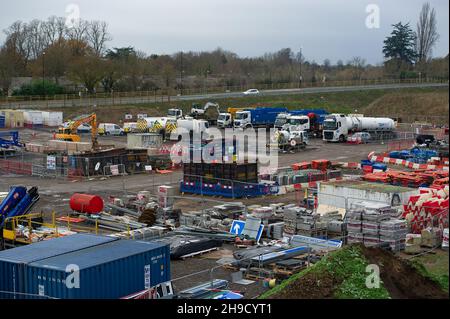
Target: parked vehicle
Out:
[251,92]
[130,127]
[175,113]
[259,117]
[225,120]
[290,140]
[337,127]
[110,129]
[209,112]
[190,125]
[151,124]
[360,138]
[309,120]
[84,128]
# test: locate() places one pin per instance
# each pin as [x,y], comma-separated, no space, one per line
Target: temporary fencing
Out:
[15,167]
[225,187]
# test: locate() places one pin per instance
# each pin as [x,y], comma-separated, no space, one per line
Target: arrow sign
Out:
[237,227]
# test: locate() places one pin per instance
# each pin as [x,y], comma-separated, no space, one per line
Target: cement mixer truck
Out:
[337,127]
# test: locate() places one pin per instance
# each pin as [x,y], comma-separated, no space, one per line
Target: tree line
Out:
[79,53]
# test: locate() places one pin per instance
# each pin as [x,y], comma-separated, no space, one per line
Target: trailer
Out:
[259,117]
[189,126]
[337,127]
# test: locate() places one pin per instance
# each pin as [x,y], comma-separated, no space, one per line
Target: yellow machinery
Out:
[12,236]
[234,110]
[69,133]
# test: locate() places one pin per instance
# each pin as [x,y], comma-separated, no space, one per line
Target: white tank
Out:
[372,123]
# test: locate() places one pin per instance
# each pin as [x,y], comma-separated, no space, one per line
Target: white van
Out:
[110,129]
[130,127]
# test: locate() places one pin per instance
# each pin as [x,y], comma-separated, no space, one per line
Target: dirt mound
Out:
[400,278]
[342,275]
[311,286]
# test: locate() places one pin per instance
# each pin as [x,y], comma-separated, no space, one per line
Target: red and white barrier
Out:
[428,209]
[405,163]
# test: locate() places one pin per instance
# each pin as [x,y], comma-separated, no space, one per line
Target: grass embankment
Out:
[371,102]
[434,266]
[340,274]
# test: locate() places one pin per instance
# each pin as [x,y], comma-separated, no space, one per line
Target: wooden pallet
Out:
[198,253]
[230,267]
[286,271]
[254,277]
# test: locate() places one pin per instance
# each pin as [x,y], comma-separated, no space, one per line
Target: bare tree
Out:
[427,35]
[35,38]
[97,35]
[78,32]
[17,39]
[357,64]
[54,30]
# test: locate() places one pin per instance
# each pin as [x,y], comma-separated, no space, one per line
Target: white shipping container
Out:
[342,195]
[52,119]
[33,117]
[148,140]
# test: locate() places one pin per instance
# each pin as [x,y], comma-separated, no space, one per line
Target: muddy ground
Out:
[400,279]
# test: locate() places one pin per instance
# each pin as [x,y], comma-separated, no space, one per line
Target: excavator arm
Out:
[69,133]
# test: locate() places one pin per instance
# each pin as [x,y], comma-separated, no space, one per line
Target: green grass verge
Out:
[346,102]
[347,265]
[434,267]
[333,102]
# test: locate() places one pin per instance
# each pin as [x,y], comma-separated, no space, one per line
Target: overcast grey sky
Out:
[333,29]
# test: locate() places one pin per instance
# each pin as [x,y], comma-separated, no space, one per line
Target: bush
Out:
[39,88]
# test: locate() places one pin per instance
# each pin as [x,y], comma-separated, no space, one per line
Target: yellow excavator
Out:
[69,132]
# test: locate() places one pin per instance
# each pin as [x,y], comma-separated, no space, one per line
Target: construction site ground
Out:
[55,195]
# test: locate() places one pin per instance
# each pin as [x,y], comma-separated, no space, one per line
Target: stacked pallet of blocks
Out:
[301,221]
[375,227]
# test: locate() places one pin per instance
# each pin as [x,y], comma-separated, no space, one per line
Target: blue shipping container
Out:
[13,261]
[265,116]
[109,271]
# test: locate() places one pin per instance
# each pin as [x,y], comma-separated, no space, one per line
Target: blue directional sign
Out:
[238,226]
[258,236]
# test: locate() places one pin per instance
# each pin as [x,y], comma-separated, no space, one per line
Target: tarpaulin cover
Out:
[180,247]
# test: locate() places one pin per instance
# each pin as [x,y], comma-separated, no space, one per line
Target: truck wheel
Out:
[342,139]
[248,126]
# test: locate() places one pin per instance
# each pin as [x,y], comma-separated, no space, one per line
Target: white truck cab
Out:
[224,120]
[243,119]
[175,113]
[295,123]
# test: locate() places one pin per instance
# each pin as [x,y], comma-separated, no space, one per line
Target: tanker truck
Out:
[337,127]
